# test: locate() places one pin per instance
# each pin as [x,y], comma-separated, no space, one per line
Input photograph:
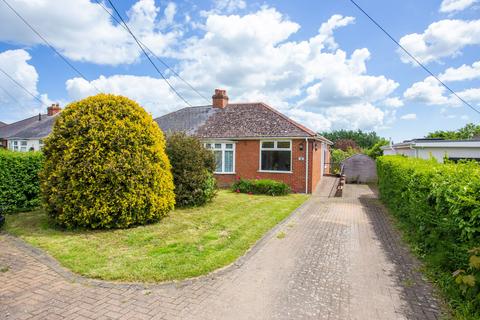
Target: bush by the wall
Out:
[105,166]
[438,206]
[19,182]
[192,169]
[261,186]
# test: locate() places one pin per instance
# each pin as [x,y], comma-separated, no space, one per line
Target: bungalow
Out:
[253,140]
[438,148]
[28,134]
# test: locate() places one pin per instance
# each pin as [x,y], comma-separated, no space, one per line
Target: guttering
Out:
[306,167]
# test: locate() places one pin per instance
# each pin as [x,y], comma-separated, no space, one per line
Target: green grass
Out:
[188,243]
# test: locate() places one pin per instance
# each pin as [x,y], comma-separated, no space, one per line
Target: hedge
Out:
[106,166]
[19,182]
[261,186]
[438,206]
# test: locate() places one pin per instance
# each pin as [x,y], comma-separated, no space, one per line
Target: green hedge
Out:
[19,182]
[438,206]
[261,186]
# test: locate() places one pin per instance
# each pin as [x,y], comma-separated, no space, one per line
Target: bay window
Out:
[224,156]
[276,156]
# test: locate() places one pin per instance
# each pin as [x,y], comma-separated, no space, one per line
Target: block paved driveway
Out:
[339,259]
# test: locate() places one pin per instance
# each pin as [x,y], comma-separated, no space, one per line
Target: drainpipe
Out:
[306,167]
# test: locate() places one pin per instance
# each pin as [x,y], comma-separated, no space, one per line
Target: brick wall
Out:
[247,164]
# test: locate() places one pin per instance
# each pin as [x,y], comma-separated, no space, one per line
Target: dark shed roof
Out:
[240,120]
[13,128]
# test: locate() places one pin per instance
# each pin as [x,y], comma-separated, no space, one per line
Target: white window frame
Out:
[223,148]
[275,148]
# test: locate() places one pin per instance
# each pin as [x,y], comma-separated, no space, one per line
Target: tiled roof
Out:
[13,128]
[37,130]
[239,120]
[187,120]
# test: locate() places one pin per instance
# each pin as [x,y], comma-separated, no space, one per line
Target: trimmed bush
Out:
[19,182]
[192,169]
[261,186]
[438,206]
[105,166]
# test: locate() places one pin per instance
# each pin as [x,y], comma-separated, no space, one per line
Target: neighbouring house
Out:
[438,148]
[253,140]
[28,134]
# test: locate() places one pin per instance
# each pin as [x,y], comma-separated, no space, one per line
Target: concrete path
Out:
[339,259]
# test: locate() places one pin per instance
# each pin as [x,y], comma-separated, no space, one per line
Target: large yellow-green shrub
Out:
[105,166]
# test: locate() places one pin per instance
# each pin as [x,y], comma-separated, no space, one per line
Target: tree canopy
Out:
[363,139]
[470,131]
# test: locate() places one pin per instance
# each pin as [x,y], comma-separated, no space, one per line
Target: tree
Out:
[345,144]
[470,131]
[376,151]
[192,169]
[363,139]
[105,166]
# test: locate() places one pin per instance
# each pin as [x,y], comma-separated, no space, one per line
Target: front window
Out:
[224,156]
[276,156]
[23,146]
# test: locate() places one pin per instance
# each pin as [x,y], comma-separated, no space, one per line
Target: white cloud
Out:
[358,116]
[444,38]
[464,72]
[83,31]
[428,91]
[14,101]
[449,6]
[394,102]
[409,116]
[252,57]
[152,93]
[431,92]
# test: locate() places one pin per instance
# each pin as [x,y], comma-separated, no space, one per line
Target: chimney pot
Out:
[220,99]
[53,109]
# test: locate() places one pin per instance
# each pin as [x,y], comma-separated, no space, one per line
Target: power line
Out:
[21,86]
[9,94]
[48,43]
[415,59]
[146,54]
[153,54]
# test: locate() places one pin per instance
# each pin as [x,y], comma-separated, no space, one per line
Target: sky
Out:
[321,62]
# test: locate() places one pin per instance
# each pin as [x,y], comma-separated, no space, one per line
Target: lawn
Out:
[188,243]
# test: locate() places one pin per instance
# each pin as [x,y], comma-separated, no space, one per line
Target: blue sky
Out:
[322,63]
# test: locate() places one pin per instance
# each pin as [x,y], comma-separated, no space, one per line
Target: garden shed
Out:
[360,168]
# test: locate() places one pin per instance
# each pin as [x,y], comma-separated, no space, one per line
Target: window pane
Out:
[268,144]
[23,143]
[208,146]
[15,143]
[276,160]
[283,144]
[218,146]
[218,161]
[229,146]
[228,161]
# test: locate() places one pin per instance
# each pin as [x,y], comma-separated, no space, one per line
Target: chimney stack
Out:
[53,109]
[220,99]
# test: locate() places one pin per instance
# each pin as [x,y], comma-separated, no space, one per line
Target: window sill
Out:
[273,171]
